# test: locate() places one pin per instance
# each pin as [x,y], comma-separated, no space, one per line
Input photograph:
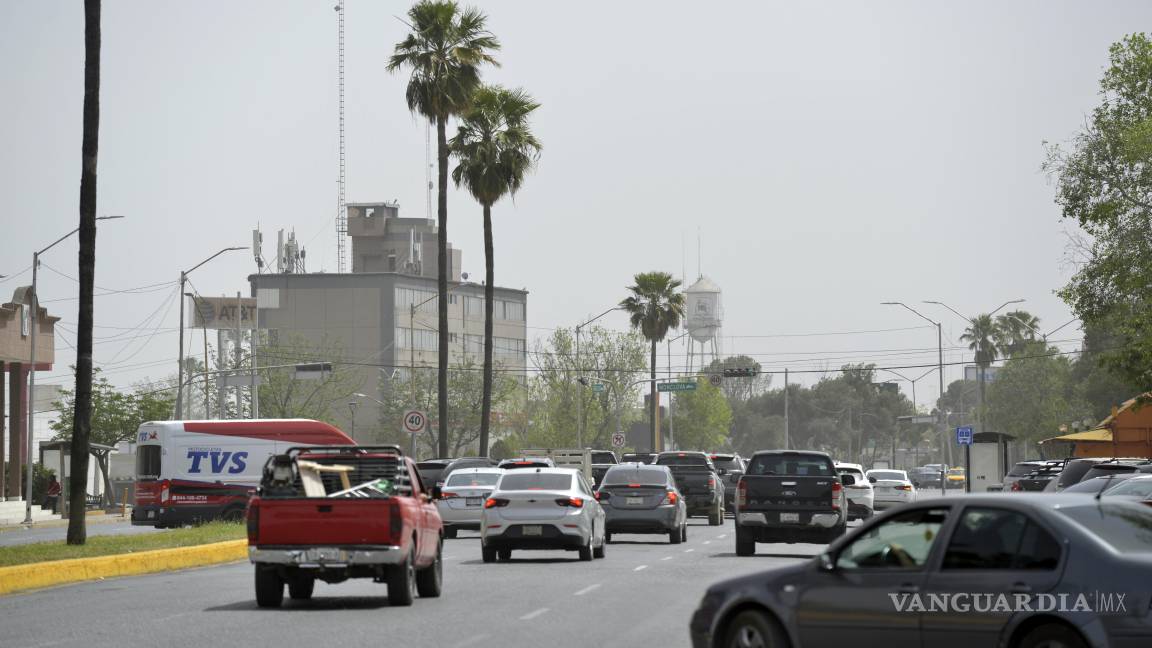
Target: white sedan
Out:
[891,488]
[542,508]
[861,502]
[462,498]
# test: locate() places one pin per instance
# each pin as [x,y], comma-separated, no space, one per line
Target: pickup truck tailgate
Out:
[328,521]
[787,493]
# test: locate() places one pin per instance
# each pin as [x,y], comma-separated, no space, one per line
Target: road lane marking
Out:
[533,614]
[666,558]
[587,589]
[689,550]
[707,542]
[722,536]
[641,567]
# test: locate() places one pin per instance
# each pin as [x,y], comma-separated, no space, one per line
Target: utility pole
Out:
[786,430]
[239,356]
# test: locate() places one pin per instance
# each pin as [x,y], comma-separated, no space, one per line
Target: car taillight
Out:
[837,488]
[447,494]
[670,498]
[574,502]
[1016,487]
[634,485]
[904,487]
[711,482]
[395,521]
[742,493]
[165,493]
[253,520]
[495,502]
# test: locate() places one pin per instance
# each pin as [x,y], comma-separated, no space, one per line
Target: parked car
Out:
[1099,484]
[638,498]
[1022,469]
[602,460]
[730,468]
[790,496]
[697,481]
[861,497]
[462,498]
[542,508]
[1137,486]
[890,582]
[1040,480]
[926,477]
[891,488]
[339,512]
[1076,469]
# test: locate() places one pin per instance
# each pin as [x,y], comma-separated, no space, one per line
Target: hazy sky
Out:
[831,156]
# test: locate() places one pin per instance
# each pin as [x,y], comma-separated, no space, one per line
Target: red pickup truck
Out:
[340,512]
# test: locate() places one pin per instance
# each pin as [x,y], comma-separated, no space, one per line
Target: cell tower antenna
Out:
[428,169]
[699,267]
[341,210]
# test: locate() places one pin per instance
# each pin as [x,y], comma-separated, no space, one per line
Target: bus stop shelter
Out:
[61,453]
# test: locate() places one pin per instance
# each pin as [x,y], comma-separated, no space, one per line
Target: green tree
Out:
[702,418]
[1104,184]
[1095,383]
[654,308]
[1032,396]
[981,336]
[444,51]
[1014,331]
[496,149]
[115,417]
[282,395]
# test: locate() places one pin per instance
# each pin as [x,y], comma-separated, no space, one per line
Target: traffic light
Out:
[741,372]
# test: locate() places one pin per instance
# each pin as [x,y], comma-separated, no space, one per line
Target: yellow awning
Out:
[1102,434]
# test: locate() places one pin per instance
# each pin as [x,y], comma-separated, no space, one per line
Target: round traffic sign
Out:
[714,380]
[618,440]
[415,421]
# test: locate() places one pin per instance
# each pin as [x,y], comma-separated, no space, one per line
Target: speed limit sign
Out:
[415,421]
[714,380]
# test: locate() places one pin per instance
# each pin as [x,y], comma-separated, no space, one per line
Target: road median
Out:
[61,572]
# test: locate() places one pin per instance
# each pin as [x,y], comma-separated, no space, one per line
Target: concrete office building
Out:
[367,313]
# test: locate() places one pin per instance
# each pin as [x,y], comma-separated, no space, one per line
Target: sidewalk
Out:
[94,517]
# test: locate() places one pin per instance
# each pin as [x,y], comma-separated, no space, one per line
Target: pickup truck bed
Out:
[343,512]
[789,496]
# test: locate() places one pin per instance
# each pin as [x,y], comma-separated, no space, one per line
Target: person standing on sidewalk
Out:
[53,495]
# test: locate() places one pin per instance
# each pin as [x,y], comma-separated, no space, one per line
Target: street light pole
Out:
[580,379]
[34,319]
[180,370]
[946,446]
[200,307]
[352,407]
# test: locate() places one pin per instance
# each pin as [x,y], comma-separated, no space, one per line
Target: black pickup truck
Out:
[790,496]
[602,460]
[697,482]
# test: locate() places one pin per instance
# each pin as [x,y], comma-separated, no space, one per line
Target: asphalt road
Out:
[19,536]
[641,594]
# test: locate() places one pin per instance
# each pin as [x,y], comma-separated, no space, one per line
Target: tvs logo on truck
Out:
[147,436]
[217,461]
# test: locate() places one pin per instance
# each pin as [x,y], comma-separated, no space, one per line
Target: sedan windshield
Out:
[535,481]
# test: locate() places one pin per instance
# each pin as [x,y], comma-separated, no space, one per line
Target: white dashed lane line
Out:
[722,536]
[666,558]
[641,567]
[707,542]
[689,550]
[533,614]
[587,589]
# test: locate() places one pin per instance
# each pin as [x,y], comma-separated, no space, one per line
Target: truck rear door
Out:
[328,521]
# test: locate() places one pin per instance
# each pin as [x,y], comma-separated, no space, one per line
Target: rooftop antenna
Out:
[341,211]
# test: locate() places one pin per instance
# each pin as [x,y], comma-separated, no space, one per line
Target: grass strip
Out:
[108,545]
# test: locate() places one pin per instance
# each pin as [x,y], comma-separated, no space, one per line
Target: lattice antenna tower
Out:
[341,210]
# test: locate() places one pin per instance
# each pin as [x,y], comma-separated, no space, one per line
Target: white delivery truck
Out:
[194,471]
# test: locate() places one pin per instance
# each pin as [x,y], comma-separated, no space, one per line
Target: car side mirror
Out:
[847,480]
[871,480]
[826,562]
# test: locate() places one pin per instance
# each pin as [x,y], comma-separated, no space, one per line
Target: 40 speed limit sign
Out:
[415,421]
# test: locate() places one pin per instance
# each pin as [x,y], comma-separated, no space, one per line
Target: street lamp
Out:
[180,371]
[352,408]
[197,298]
[947,446]
[912,381]
[580,380]
[34,305]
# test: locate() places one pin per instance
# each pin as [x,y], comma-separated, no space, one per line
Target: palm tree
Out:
[1015,330]
[496,149]
[981,336]
[654,307]
[89,145]
[445,50]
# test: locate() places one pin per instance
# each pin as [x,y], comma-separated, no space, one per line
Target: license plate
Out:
[789,517]
[326,554]
[473,501]
[634,501]
[533,530]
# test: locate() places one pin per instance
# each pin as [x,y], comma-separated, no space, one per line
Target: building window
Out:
[407,297]
[25,320]
[418,340]
[510,310]
[452,298]
[452,338]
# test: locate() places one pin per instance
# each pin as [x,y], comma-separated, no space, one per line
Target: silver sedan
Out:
[892,488]
[462,498]
[542,508]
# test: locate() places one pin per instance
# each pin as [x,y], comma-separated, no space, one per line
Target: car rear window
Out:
[791,464]
[635,476]
[1126,527]
[855,472]
[888,474]
[727,463]
[1134,487]
[473,479]
[536,481]
[603,458]
[1022,469]
[682,460]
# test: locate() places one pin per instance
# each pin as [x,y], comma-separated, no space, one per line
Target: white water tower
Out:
[704,315]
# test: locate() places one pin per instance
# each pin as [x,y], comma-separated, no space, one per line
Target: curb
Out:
[76,570]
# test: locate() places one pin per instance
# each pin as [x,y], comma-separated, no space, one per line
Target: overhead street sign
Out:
[964,435]
[598,388]
[415,421]
[675,386]
[618,440]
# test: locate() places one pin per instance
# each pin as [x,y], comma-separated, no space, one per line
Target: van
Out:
[194,471]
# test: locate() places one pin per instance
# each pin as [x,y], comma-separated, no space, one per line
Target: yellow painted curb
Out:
[75,570]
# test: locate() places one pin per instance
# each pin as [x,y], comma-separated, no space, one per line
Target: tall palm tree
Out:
[445,49]
[654,308]
[89,145]
[496,149]
[981,336]
[1014,331]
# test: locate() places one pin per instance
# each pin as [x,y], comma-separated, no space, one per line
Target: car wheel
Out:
[676,536]
[607,538]
[300,587]
[402,582]
[1052,636]
[488,554]
[745,543]
[684,532]
[430,580]
[269,587]
[716,518]
[450,532]
[586,551]
[752,629]
[598,552]
[504,554]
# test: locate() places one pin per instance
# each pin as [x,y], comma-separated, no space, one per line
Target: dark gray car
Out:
[639,498]
[1029,571]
